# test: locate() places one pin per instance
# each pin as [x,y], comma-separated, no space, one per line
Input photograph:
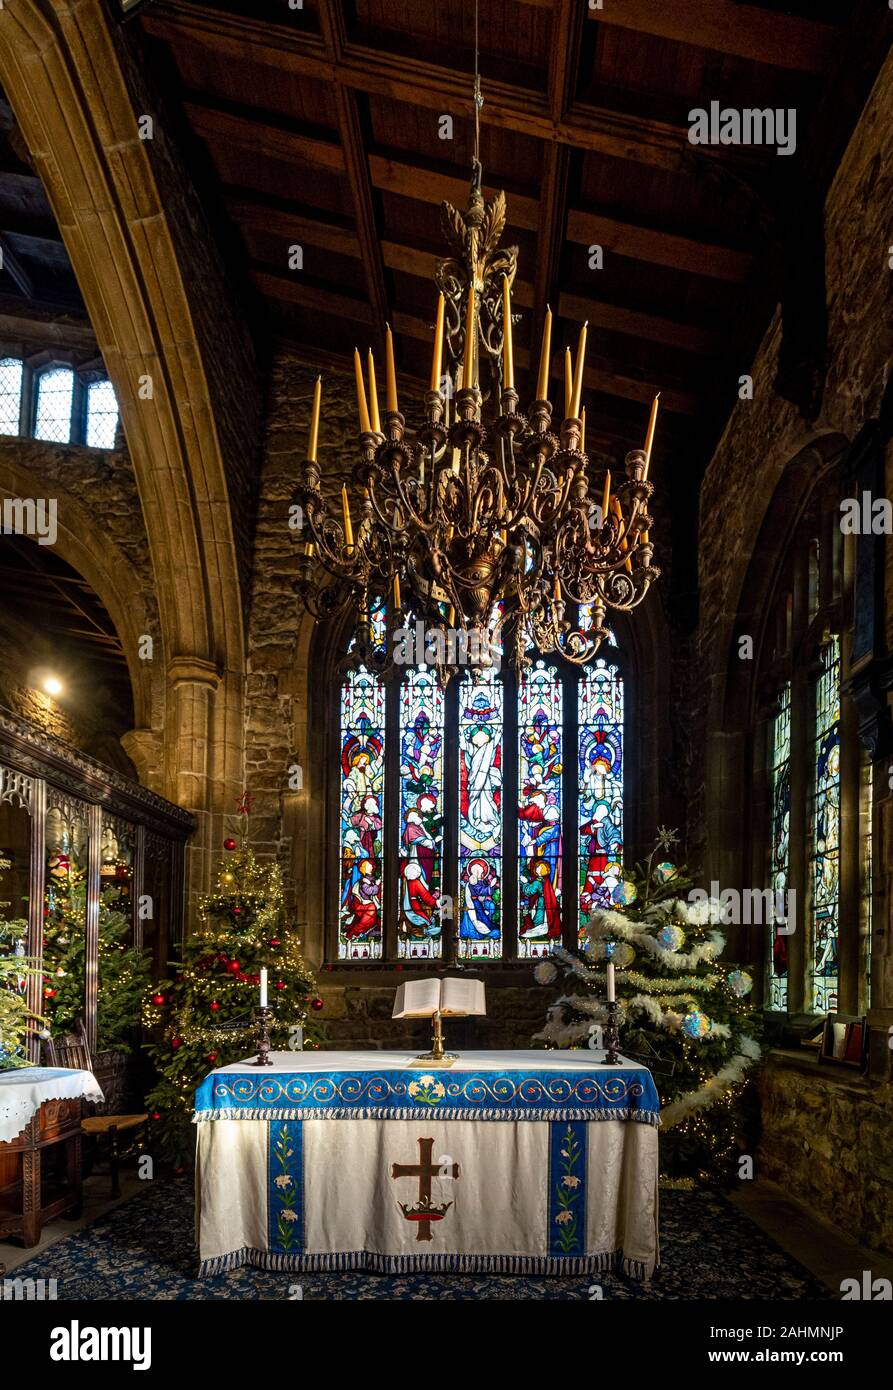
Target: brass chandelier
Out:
[498,532]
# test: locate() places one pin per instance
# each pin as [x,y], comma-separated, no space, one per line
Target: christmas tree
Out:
[203,1017]
[123,969]
[681,1011]
[14,970]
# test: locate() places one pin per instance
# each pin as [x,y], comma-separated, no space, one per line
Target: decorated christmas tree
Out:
[14,971]
[203,1017]
[682,1011]
[123,969]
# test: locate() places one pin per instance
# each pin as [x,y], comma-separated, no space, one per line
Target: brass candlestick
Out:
[437,1053]
[261,1017]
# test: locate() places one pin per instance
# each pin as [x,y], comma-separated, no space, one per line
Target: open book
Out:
[423,998]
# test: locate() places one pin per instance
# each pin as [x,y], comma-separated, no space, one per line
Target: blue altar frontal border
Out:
[594,1093]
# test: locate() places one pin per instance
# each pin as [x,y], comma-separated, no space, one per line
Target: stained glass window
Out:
[480,815]
[780,791]
[10,395]
[601,769]
[825,857]
[421,815]
[539,810]
[55,393]
[102,415]
[362,815]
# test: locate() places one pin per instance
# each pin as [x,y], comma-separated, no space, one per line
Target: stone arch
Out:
[64,69]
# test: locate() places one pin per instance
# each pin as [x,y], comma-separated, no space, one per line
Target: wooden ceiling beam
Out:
[616,319]
[725,26]
[356,163]
[236,38]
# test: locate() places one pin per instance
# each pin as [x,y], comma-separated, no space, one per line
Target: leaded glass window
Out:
[780,791]
[455,802]
[421,814]
[102,415]
[826,832]
[55,396]
[10,395]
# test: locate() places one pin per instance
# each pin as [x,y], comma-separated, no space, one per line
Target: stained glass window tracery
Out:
[779,854]
[825,857]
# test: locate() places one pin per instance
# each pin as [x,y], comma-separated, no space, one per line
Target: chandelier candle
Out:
[568,383]
[649,438]
[391,373]
[361,396]
[508,363]
[437,361]
[345,515]
[542,383]
[374,417]
[469,363]
[578,375]
[314,421]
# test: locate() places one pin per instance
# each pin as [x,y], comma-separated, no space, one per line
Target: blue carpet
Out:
[144,1250]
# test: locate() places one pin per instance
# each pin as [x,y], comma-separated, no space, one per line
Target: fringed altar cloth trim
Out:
[607,1261]
[644,1117]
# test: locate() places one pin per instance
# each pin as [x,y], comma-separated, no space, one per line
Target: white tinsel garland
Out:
[606,923]
[712,1090]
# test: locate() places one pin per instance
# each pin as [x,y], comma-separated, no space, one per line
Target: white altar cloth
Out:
[23,1091]
[559,1184]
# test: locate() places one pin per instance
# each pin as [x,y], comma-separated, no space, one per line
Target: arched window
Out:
[102,415]
[11,370]
[814,805]
[55,398]
[489,810]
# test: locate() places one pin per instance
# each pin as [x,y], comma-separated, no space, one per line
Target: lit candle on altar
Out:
[508,361]
[542,382]
[345,514]
[578,372]
[314,421]
[390,370]
[438,345]
[373,395]
[568,383]
[263,986]
[361,393]
[468,363]
[610,975]
[606,497]
[649,438]
[397,603]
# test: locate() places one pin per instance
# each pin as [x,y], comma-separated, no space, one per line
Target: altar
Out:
[518,1162]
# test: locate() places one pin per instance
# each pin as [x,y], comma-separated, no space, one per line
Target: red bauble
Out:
[234,967]
[158,999]
[274,940]
[214,1006]
[176,1042]
[316,1004]
[212,1057]
[237,911]
[280,984]
[50,993]
[229,844]
[156,1115]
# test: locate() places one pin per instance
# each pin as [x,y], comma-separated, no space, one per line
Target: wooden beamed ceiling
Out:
[320,127]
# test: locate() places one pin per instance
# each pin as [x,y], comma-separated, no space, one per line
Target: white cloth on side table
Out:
[23,1091]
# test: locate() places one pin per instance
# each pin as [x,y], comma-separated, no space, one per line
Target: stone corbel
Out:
[193,670]
[144,749]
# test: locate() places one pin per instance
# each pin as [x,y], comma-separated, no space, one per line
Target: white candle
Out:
[610,974]
[263,986]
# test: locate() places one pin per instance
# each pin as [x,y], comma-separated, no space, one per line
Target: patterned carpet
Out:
[144,1250]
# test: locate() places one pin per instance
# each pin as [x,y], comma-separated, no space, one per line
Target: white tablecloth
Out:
[23,1091]
[570,1189]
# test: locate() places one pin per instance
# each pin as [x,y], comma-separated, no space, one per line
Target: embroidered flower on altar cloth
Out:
[426,1090]
[563,1218]
[283,1181]
[288,1215]
[571,1181]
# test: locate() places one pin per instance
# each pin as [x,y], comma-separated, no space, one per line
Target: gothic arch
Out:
[63,68]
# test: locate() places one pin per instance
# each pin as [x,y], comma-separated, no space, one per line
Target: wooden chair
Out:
[72,1051]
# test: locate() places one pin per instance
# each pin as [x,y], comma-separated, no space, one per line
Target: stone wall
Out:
[826,1140]
[359,1016]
